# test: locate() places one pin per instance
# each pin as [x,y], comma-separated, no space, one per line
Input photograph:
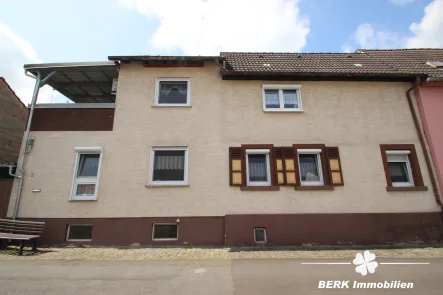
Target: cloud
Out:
[205,27]
[428,33]
[14,53]
[401,2]
[368,37]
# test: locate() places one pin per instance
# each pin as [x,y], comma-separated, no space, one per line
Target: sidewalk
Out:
[102,253]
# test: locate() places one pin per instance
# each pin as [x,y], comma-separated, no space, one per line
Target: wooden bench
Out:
[21,231]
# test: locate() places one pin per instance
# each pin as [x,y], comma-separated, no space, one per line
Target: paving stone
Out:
[101,253]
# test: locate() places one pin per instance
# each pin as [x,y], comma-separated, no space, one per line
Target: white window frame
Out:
[405,153]
[264,231]
[152,182]
[79,240]
[268,168]
[167,239]
[280,89]
[85,180]
[320,167]
[157,92]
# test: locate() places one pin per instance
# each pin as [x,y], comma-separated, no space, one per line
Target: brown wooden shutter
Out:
[334,166]
[279,168]
[290,166]
[235,166]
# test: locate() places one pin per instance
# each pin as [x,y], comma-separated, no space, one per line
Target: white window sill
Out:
[304,183]
[94,198]
[259,184]
[284,110]
[402,184]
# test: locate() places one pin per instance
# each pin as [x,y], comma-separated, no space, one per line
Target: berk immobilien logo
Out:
[365,264]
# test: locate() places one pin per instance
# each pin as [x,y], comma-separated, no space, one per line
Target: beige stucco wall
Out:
[355,116]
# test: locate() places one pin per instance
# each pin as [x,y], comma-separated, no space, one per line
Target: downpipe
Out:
[20,167]
[422,143]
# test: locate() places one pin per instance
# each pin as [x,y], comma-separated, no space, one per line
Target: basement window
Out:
[260,235]
[164,232]
[79,233]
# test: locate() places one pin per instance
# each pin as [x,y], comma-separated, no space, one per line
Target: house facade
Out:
[238,149]
[428,93]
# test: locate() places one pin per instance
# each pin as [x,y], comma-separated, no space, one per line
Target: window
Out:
[164,232]
[169,166]
[282,98]
[79,232]
[401,167]
[258,172]
[310,168]
[435,64]
[86,173]
[173,92]
[260,235]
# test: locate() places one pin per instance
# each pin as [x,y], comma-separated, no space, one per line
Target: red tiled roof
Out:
[312,63]
[15,95]
[411,61]
[399,63]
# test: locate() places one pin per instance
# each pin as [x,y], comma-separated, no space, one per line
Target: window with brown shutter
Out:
[401,166]
[235,166]
[252,167]
[312,167]
[334,165]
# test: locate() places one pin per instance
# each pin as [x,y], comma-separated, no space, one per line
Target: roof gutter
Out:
[324,74]
[422,141]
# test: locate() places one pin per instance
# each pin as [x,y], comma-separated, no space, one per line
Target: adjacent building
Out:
[13,116]
[236,149]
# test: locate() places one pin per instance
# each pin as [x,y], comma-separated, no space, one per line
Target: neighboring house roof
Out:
[309,64]
[159,57]
[411,61]
[3,80]
[397,63]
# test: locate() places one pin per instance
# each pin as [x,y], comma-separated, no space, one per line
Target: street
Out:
[236,276]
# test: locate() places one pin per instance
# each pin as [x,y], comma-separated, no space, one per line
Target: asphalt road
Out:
[247,276]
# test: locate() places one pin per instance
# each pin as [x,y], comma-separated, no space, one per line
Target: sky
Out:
[47,31]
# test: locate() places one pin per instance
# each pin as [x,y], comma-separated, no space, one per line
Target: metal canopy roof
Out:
[83,82]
